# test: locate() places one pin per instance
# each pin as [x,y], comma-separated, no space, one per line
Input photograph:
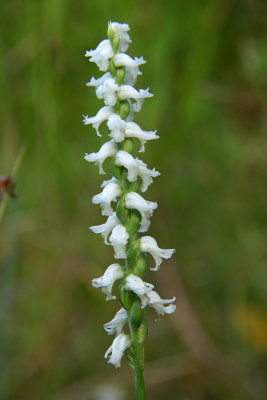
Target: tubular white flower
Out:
[107,91]
[116,126]
[155,301]
[110,192]
[136,168]
[100,117]
[115,326]
[146,208]
[135,284]
[105,229]
[149,245]
[134,130]
[99,81]
[118,239]
[121,30]
[101,55]
[128,92]
[108,149]
[118,347]
[112,274]
[131,66]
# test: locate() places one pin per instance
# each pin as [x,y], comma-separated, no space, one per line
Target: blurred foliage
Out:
[206,65]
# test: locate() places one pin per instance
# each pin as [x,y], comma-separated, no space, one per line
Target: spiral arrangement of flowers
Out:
[127,221]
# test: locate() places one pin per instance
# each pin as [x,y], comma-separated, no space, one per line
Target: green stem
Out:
[138,371]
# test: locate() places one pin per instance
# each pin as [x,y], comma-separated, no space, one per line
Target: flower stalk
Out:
[131,218]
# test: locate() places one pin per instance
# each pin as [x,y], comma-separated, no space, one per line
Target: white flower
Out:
[101,116]
[136,168]
[131,66]
[105,229]
[128,92]
[118,239]
[112,274]
[107,91]
[101,55]
[105,183]
[149,245]
[115,326]
[99,81]
[118,347]
[107,150]
[146,208]
[110,192]
[155,301]
[116,126]
[121,30]
[134,130]
[135,284]
[126,160]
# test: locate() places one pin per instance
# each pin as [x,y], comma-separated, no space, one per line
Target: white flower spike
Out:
[122,228]
[118,347]
[118,239]
[112,274]
[149,245]
[110,192]
[108,149]
[115,326]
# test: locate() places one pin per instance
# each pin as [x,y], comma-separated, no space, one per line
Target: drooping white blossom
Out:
[100,117]
[122,31]
[136,168]
[118,347]
[153,300]
[134,130]
[129,92]
[105,229]
[118,239]
[135,284]
[145,207]
[108,149]
[101,55]
[149,245]
[112,274]
[110,192]
[115,326]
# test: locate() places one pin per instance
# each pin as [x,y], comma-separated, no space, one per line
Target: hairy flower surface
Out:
[130,216]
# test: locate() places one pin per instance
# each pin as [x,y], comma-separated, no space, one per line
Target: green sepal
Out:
[126,298]
[115,170]
[140,265]
[129,353]
[141,333]
[112,68]
[136,315]
[133,252]
[122,211]
[114,39]
[120,74]
[124,109]
[127,145]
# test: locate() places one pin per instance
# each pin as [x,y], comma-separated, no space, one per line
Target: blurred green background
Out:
[206,65]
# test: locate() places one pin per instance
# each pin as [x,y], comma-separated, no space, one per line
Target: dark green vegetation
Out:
[206,65]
